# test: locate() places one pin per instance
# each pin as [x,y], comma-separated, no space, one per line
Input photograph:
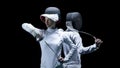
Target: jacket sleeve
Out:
[33,30]
[88,49]
[85,50]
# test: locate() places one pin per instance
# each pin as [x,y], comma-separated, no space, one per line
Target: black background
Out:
[26,52]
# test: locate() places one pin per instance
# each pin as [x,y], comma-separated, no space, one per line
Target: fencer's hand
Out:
[27,25]
[98,42]
[61,59]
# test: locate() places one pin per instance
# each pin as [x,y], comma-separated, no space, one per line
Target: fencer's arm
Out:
[88,49]
[74,47]
[29,28]
[91,48]
[37,33]
[69,55]
[78,45]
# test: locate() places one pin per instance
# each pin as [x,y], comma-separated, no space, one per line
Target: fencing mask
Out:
[53,10]
[74,20]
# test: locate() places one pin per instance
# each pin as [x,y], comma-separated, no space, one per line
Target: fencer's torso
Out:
[75,58]
[50,47]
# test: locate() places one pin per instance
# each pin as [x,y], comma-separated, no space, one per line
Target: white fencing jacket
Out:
[74,57]
[51,48]
[50,44]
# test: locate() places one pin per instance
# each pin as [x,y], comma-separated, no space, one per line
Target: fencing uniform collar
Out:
[51,30]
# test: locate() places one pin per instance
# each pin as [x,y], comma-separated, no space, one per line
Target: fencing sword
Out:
[83,32]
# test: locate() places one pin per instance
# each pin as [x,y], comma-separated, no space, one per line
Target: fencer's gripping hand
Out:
[28,27]
[98,42]
[61,59]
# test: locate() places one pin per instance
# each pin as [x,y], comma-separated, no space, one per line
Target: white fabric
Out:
[53,17]
[73,54]
[50,47]
[50,44]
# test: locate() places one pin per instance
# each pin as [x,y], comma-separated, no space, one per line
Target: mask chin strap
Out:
[88,34]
